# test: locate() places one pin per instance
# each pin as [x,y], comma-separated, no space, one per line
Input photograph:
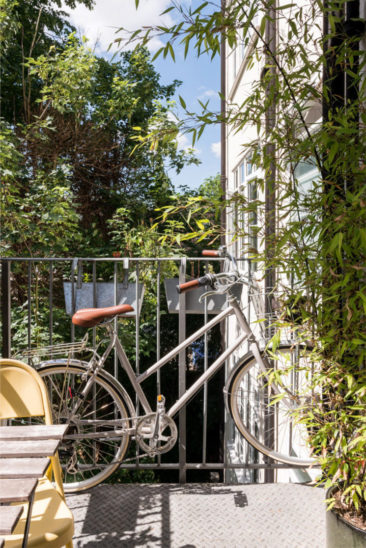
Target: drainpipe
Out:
[270,186]
[223,129]
[223,197]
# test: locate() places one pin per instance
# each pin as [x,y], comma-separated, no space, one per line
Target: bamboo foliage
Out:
[320,242]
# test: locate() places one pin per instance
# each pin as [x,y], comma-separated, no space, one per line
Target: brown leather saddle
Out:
[89,317]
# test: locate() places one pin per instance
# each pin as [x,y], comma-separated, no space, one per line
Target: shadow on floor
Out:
[199,516]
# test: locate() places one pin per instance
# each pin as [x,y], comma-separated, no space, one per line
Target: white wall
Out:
[240,77]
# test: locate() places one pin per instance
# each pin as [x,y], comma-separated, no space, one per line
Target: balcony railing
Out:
[39,295]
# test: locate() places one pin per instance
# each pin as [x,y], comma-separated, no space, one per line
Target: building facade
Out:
[245,226]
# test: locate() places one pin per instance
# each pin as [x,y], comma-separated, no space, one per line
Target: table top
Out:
[24,452]
[17,490]
[9,517]
[28,448]
[33,431]
[23,467]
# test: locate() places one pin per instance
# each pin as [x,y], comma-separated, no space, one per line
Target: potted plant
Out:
[336,422]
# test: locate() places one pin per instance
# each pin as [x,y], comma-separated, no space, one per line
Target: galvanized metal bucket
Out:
[103,294]
[215,303]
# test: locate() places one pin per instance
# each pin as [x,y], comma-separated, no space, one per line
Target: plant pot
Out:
[103,294]
[340,533]
[215,303]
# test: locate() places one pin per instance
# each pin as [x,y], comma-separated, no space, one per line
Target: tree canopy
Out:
[69,128]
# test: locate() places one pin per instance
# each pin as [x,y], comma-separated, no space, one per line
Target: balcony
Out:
[211,476]
[39,296]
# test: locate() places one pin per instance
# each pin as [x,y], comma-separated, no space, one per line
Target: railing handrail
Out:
[117,259]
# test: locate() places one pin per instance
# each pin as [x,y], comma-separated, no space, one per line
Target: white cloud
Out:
[100,24]
[216,149]
[208,93]
[184,143]
[171,116]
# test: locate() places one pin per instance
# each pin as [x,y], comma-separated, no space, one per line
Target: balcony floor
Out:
[200,516]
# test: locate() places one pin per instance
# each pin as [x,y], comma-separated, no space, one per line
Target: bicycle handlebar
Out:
[211,253]
[221,252]
[208,279]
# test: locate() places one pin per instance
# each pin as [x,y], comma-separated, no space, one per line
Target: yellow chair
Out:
[23,394]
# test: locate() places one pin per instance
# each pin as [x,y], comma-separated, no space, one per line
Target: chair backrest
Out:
[22,392]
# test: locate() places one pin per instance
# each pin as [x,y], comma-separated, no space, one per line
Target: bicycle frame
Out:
[233,308]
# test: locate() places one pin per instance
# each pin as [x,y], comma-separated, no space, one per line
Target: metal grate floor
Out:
[200,516]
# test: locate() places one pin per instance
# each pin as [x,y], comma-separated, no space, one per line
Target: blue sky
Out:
[200,76]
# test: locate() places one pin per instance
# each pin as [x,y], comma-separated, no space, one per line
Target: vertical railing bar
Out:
[115,321]
[6,308]
[158,340]
[205,387]
[137,347]
[249,300]
[29,295]
[293,372]
[51,302]
[223,332]
[226,415]
[94,266]
[249,305]
[94,278]
[73,298]
[182,375]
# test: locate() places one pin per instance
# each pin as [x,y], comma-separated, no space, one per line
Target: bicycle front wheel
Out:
[272,428]
[86,458]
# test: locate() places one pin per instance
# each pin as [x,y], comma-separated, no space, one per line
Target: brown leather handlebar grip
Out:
[188,285]
[210,253]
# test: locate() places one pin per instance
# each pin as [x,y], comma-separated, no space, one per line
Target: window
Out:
[234,62]
[249,166]
[238,55]
[305,173]
[253,218]
[242,173]
[246,222]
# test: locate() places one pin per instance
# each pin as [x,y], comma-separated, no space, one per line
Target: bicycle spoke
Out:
[269,426]
[86,460]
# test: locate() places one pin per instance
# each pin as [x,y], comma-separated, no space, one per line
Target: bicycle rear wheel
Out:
[272,429]
[86,459]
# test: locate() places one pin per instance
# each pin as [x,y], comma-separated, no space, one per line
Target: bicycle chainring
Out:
[166,436]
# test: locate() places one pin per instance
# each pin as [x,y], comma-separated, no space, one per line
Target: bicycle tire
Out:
[88,461]
[247,399]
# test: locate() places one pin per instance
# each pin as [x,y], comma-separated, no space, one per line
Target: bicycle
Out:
[102,417]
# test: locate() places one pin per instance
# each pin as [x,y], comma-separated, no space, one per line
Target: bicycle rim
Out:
[86,461]
[272,429]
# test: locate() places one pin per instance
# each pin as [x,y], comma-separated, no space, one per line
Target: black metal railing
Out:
[39,295]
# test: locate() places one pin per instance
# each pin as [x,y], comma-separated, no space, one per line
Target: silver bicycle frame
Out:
[136,380]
